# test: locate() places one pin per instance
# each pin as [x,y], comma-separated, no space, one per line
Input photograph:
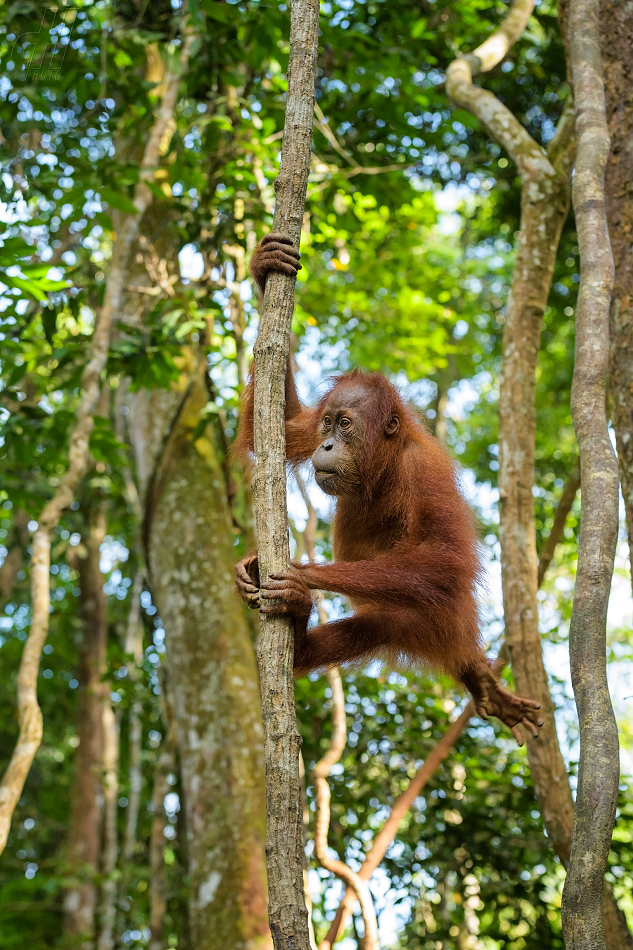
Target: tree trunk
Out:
[617,44]
[282,743]
[17,544]
[212,672]
[87,795]
[158,904]
[599,767]
[108,897]
[133,647]
[544,203]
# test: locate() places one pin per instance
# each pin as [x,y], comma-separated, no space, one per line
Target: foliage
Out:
[407,256]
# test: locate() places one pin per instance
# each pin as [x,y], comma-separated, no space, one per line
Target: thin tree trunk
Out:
[286,903]
[110,855]
[29,712]
[133,647]
[12,564]
[84,839]
[599,767]
[158,902]
[544,204]
[616,21]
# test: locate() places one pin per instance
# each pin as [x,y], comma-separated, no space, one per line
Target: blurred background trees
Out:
[141,823]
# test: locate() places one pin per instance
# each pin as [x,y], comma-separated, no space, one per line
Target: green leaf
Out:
[49,323]
[117,200]
[28,286]
[418,28]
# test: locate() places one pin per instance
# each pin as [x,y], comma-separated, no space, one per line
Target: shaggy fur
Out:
[405,546]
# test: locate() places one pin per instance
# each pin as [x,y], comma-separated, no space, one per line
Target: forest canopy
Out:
[140,144]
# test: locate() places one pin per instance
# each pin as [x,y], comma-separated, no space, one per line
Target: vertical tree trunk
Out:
[599,768]
[212,672]
[282,743]
[544,206]
[158,903]
[541,224]
[133,647]
[110,854]
[17,544]
[616,21]
[87,795]
[544,203]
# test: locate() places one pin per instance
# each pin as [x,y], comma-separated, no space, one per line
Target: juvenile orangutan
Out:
[406,551]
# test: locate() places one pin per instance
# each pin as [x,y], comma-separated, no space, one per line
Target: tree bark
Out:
[212,671]
[17,544]
[616,22]
[599,767]
[544,204]
[84,839]
[110,850]
[158,903]
[133,647]
[286,903]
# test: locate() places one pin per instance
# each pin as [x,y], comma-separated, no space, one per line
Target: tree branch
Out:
[599,768]
[558,526]
[502,124]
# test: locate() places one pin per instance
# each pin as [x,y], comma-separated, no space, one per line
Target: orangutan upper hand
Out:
[274,253]
[286,592]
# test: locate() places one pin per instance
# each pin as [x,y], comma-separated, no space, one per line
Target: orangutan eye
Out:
[327,422]
[345,423]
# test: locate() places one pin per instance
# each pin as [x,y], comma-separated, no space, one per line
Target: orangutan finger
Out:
[530,726]
[531,703]
[278,238]
[277,252]
[242,575]
[516,732]
[277,581]
[245,589]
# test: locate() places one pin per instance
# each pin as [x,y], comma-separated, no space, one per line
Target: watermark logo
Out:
[41,52]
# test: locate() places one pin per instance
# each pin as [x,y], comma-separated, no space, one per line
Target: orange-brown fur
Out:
[406,549]
[405,545]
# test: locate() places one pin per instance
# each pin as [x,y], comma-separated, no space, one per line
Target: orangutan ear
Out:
[392,426]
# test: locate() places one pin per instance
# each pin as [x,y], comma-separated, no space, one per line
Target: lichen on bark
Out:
[212,670]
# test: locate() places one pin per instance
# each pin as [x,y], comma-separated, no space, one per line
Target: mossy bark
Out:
[212,669]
